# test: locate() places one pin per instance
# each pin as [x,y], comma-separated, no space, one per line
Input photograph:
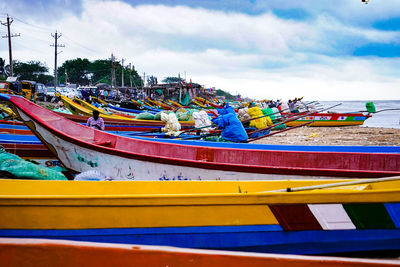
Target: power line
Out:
[34,26]
[87,48]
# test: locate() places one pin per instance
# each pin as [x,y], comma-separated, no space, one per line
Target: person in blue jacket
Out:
[225,109]
[231,126]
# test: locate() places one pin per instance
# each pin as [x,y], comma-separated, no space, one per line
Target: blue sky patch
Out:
[295,13]
[392,24]
[379,50]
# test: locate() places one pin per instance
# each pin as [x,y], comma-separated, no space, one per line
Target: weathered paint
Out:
[116,156]
[36,252]
[220,215]
[332,119]
[331,216]
[369,216]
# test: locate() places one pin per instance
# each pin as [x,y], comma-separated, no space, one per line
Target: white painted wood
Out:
[332,216]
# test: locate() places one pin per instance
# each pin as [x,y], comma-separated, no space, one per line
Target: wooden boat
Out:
[89,106]
[289,217]
[81,148]
[77,253]
[125,109]
[332,119]
[80,110]
[17,127]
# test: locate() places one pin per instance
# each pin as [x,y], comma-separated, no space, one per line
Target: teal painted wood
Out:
[369,216]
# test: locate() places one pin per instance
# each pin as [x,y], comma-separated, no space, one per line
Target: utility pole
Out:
[66,77]
[130,75]
[113,79]
[9,35]
[56,36]
[123,70]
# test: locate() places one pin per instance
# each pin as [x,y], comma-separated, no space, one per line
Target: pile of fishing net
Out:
[275,115]
[146,116]
[12,166]
[182,114]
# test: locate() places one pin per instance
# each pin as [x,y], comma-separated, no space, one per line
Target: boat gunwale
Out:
[237,167]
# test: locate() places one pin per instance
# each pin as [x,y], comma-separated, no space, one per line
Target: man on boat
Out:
[95,122]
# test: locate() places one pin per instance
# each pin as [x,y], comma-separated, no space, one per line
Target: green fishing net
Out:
[19,168]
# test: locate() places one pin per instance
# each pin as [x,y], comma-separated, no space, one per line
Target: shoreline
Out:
[339,136]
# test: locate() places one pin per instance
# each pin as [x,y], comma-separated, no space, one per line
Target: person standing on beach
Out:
[95,122]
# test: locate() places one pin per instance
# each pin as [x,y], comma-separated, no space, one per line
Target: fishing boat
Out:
[289,217]
[81,148]
[77,109]
[72,253]
[332,119]
[16,127]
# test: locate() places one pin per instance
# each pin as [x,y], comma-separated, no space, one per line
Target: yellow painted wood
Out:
[90,106]
[30,204]
[86,217]
[80,110]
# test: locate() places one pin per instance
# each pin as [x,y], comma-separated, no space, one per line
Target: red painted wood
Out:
[241,160]
[295,217]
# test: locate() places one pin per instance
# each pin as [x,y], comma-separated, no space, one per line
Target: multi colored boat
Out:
[21,251]
[332,119]
[90,106]
[16,127]
[77,109]
[289,217]
[81,148]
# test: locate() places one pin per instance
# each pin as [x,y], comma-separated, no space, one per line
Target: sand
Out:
[347,136]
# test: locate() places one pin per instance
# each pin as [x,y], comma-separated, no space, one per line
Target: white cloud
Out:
[258,56]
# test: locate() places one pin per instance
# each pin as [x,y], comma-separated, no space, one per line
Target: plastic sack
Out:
[260,123]
[172,126]
[201,119]
[370,107]
[243,114]
[91,175]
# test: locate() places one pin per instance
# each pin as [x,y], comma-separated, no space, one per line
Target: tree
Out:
[32,70]
[100,70]
[227,95]
[2,69]
[76,70]
[171,80]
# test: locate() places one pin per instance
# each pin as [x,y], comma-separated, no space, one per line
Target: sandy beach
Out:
[346,136]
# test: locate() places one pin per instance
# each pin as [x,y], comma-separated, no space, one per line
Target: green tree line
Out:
[78,71]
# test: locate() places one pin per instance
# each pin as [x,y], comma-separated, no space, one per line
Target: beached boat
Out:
[295,216]
[77,109]
[17,127]
[332,119]
[81,148]
[21,251]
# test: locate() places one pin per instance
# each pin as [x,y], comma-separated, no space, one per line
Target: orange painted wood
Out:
[40,252]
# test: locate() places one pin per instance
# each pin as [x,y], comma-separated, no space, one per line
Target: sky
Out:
[262,49]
